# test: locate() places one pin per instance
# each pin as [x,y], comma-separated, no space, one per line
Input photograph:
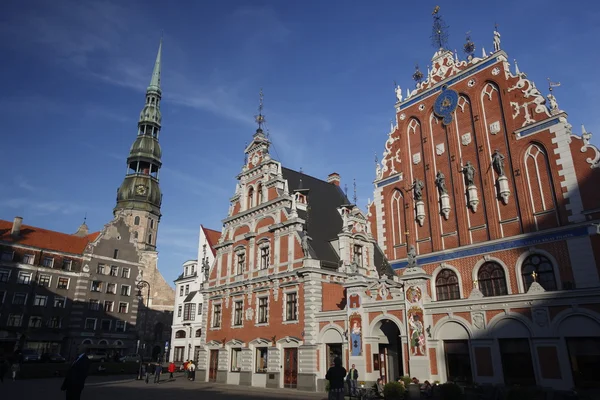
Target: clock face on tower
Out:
[140,190]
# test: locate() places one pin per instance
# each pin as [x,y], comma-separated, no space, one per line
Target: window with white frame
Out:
[48,262]
[238,313]
[216,318]
[358,255]
[187,289]
[28,259]
[241,263]
[125,273]
[19,299]
[54,322]
[109,305]
[265,255]
[262,356]
[111,288]
[199,308]
[4,275]
[40,301]
[35,322]
[7,255]
[263,310]
[14,320]
[101,269]
[125,290]
[60,302]
[123,307]
[120,326]
[94,304]
[291,306]
[181,289]
[67,265]
[90,324]
[96,286]
[189,311]
[236,360]
[44,280]
[24,278]
[179,311]
[114,270]
[63,283]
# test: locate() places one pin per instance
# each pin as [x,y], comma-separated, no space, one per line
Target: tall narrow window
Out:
[264,257]
[539,268]
[238,315]
[396,209]
[259,194]
[446,285]
[263,312]
[251,197]
[241,263]
[136,220]
[116,254]
[150,239]
[291,307]
[358,255]
[216,320]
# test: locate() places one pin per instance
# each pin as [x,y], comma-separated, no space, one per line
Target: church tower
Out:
[139,197]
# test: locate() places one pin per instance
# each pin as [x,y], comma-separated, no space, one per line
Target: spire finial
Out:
[85,218]
[260,118]
[155,80]
[469,46]
[552,85]
[418,75]
[439,37]
[355,197]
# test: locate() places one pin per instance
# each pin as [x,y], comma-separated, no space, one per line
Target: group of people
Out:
[190,370]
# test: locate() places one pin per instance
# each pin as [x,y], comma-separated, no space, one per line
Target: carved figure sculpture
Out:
[553,103]
[398,93]
[496,40]
[417,188]
[469,173]
[306,244]
[440,182]
[412,257]
[498,162]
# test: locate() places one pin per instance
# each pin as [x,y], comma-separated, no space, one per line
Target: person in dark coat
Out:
[75,378]
[150,369]
[335,375]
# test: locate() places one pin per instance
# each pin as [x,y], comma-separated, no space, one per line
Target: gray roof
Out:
[190,296]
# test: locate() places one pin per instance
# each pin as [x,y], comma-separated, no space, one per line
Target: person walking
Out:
[3,369]
[192,368]
[352,379]
[150,370]
[335,375]
[171,369]
[75,379]
[157,373]
[15,368]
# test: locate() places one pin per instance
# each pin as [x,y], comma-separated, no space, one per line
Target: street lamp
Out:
[140,284]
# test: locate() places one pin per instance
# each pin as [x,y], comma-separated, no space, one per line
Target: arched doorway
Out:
[582,337]
[156,352]
[389,358]
[334,342]
[455,345]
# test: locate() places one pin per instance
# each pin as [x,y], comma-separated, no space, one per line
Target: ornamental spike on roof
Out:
[155,80]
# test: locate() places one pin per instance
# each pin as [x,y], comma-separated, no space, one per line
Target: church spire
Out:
[155,80]
[140,192]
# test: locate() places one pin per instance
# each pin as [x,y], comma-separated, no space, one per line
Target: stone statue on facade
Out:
[440,182]
[306,244]
[469,172]
[498,162]
[496,40]
[417,188]
[398,93]
[553,104]
[412,257]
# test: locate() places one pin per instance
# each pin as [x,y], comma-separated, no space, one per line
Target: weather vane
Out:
[439,37]
[418,75]
[355,197]
[469,47]
[260,118]
[552,84]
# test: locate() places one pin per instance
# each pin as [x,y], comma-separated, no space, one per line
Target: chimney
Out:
[16,228]
[334,178]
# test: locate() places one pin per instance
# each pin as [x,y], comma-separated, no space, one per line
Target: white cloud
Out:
[43,207]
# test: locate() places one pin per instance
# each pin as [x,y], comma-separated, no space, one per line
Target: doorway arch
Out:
[387,356]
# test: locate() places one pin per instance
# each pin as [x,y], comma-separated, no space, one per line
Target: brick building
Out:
[486,206]
[66,293]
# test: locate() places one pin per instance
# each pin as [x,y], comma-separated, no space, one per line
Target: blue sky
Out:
[73,76]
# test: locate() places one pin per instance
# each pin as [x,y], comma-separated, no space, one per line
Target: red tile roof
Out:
[212,237]
[45,239]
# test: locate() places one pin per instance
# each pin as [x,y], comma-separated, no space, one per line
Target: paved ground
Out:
[127,388]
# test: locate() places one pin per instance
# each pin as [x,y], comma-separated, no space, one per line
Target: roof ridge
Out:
[50,230]
[305,174]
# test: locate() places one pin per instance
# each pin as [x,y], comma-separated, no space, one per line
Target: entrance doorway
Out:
[390,351]
[458,361]
[517,364]
[290,368]
[584,354]
[334,350]
[213,365]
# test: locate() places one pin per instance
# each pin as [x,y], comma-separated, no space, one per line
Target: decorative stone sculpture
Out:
[398,93]
[417,188]
[498,162]
[306,244]
[440,182]
[496,40]
[502,182]
[412,257]
[469,174]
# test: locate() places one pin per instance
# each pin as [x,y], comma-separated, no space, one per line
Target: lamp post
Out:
[140,284]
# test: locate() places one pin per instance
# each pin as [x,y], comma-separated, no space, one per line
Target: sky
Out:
[73,76]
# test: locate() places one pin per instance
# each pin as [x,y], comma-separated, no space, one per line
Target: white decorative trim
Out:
[491,325]
[391,317]
[448,319]
[570,312]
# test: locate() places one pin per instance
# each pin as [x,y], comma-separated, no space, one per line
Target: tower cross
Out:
[260,118]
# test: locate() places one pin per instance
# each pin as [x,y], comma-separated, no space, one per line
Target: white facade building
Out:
[186,329]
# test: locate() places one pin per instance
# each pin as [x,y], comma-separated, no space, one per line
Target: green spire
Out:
[155,81]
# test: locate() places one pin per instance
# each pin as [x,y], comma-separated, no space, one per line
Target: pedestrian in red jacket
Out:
[171,369]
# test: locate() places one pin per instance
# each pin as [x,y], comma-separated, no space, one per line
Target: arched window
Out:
[544,272]
[198,332]
[136,220]
[492,280]
[103,342]
[259,194]
[396,209]
[151,224]
[446,285]
[86,341]
[251,197]
[118,343]
[180,334]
